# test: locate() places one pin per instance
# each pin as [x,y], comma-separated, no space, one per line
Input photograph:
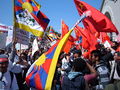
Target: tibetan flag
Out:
[97,21]
[41,73]
[51,32]
[28,17]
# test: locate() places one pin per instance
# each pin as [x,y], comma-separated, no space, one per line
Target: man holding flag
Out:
[41,73]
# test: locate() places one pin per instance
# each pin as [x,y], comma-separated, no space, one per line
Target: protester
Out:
[7,79]
[115,64]
[102,70]
[65,64]
[57,77]
[20,69]
[115,73]
[77,54]
[76,78]
[115,45]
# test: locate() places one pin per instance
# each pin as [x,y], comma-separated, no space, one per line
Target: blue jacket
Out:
[73,81]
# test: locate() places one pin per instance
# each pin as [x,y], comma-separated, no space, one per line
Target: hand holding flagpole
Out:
[84,15]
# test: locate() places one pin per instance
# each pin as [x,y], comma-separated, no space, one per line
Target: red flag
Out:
[69,43]
[77,33]
[89,41]
[97,21]
[104,37]
[85,37]
[67,46]
[65,28]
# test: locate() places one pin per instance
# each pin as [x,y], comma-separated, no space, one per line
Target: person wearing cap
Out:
[7,80]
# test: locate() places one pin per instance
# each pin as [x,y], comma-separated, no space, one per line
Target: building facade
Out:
[111,8]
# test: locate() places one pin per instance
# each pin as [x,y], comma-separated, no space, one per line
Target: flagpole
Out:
[14,33]
[84,15]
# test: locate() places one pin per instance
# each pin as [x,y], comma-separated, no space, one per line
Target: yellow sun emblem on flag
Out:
[27,6]
[41,60]
[81,6]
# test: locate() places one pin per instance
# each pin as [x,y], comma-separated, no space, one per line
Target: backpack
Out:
[78,83]
[103,71]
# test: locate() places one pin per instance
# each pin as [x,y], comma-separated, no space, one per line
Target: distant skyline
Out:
[55,10]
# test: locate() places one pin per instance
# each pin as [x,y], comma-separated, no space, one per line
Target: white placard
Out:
[107,44]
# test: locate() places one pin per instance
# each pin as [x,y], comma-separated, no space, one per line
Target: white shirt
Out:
[113,70]
[64,65]
[7,82]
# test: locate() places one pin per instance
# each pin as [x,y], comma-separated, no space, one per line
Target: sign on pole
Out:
[22,36]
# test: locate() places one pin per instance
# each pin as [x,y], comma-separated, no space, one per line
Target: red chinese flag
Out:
[97,21]
[69,43]
[85,36]
[67,47]
[85,44]
[65,28]
[89,40]
[77,33]
[104,37]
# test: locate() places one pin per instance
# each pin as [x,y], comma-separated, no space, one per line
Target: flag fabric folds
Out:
[97,21]
[28,17]
[65,28]
[104,37]
[51,32]
[34,46]
[80,32]
[70,42]
[41,73]
[52,36]
[89,41]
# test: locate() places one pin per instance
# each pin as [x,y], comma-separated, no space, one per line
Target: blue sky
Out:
[55,10]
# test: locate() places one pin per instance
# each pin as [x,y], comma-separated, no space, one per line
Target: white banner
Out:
[34,46]
[107,44]
[24,46]
[6,28]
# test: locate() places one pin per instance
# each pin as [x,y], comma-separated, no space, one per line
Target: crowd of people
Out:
[101,71]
